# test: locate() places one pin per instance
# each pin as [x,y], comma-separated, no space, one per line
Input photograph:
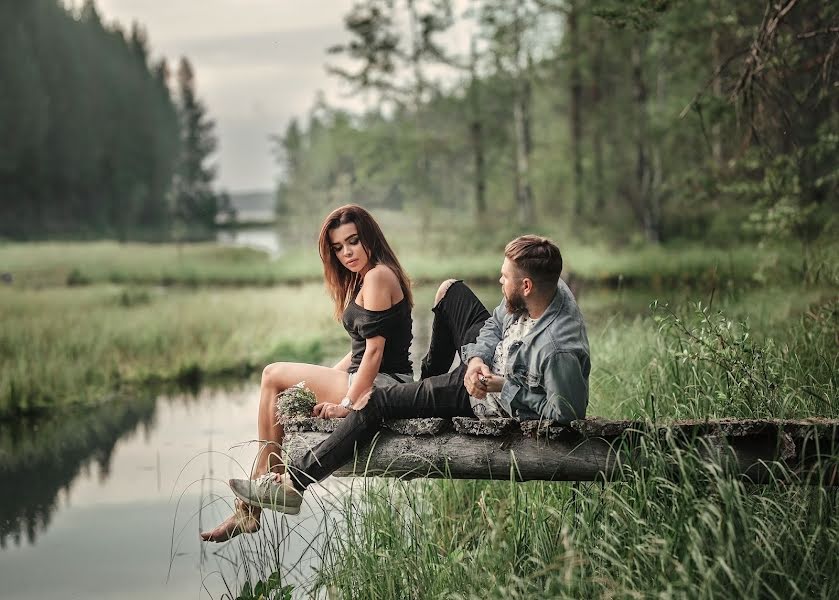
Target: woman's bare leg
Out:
[328,385]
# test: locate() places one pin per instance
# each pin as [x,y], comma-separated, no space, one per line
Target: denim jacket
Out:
[547,372]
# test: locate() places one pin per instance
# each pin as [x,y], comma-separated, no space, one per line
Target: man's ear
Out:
[526,286]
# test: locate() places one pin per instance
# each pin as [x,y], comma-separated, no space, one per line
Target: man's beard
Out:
[516,305]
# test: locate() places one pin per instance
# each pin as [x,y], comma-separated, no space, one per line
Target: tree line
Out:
[683,119]
[94,141]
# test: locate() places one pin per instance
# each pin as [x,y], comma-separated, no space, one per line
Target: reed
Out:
[67,345]
[677,525]
[680,526]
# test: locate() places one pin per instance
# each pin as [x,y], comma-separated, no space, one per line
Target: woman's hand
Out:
[327,410]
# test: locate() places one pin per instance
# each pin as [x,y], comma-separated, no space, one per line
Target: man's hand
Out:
[476,380]
[327,410]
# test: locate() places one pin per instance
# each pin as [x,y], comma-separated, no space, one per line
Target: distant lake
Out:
[267,239]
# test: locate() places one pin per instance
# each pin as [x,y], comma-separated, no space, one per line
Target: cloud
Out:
[289,49]
[258,63]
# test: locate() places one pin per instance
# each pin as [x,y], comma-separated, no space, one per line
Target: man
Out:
[529,359]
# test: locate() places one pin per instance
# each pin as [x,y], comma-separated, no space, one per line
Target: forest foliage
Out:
[94,140]
[645,119]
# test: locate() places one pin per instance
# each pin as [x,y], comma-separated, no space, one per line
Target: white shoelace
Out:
[266,478]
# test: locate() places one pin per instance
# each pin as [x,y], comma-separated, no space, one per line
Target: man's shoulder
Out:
[567,331]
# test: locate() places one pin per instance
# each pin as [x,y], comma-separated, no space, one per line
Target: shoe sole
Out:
[289,510]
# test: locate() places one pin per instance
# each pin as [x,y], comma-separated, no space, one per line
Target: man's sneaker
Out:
[267,492]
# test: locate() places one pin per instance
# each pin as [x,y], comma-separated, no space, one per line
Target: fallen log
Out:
[758,451]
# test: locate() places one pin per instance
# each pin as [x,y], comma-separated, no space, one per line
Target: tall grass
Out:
[466,254]
[703,535]
[676,525]
[62,345]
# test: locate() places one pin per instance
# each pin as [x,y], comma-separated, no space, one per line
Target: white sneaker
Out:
[268,492]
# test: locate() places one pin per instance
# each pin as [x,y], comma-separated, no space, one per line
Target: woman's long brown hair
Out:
[340,280]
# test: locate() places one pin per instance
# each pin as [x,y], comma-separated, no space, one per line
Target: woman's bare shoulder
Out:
[381,281]
[382,275]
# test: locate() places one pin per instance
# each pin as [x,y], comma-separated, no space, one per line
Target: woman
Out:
[372,297]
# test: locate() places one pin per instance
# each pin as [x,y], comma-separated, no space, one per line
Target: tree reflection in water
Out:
[40,457]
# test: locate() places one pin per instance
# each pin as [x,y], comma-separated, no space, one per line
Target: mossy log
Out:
[793,451]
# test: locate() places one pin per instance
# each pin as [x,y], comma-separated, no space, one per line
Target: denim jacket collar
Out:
[547,317]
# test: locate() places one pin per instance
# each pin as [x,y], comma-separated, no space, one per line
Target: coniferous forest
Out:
[94,143]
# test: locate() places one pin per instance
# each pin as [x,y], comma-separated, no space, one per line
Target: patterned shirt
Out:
[490,406]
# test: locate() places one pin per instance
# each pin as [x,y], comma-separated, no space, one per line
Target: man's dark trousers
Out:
[458,319]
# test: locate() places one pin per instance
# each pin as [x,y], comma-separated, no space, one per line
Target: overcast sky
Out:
[258,63]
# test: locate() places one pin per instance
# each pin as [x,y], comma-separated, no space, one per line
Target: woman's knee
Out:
[441,291]
[271,374]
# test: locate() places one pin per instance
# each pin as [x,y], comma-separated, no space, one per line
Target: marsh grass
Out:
[62,345]
[759,353]
[676,523]
[649,535]
[427,258]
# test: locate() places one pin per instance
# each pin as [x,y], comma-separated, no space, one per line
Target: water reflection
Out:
[41,458]
[112,498]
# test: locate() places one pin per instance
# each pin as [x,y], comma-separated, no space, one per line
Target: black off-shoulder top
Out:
[394,324]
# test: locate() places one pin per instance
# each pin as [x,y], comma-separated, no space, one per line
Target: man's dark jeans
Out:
[458,319]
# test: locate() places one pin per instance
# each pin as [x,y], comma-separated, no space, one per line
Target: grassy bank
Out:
[63,345]
[75,345]
[427,261]
[699,534]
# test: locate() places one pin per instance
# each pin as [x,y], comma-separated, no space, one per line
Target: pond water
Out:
[114,507]
[108,501]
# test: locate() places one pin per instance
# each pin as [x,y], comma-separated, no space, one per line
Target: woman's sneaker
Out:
[268,492]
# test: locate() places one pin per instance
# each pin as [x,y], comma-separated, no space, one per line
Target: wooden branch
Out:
[798,452]
[809,34]
[762,42]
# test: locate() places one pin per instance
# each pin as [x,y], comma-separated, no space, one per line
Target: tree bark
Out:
[476,130]
[576,104]
[716,88]
[759,451]
[521,116]
[597,142]
[521,123]
[641,194]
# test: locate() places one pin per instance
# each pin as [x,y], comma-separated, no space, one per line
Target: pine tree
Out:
[195,202]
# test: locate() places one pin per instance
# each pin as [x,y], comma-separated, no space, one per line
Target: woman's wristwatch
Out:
[346,403]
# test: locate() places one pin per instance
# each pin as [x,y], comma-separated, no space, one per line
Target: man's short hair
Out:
[537,257]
